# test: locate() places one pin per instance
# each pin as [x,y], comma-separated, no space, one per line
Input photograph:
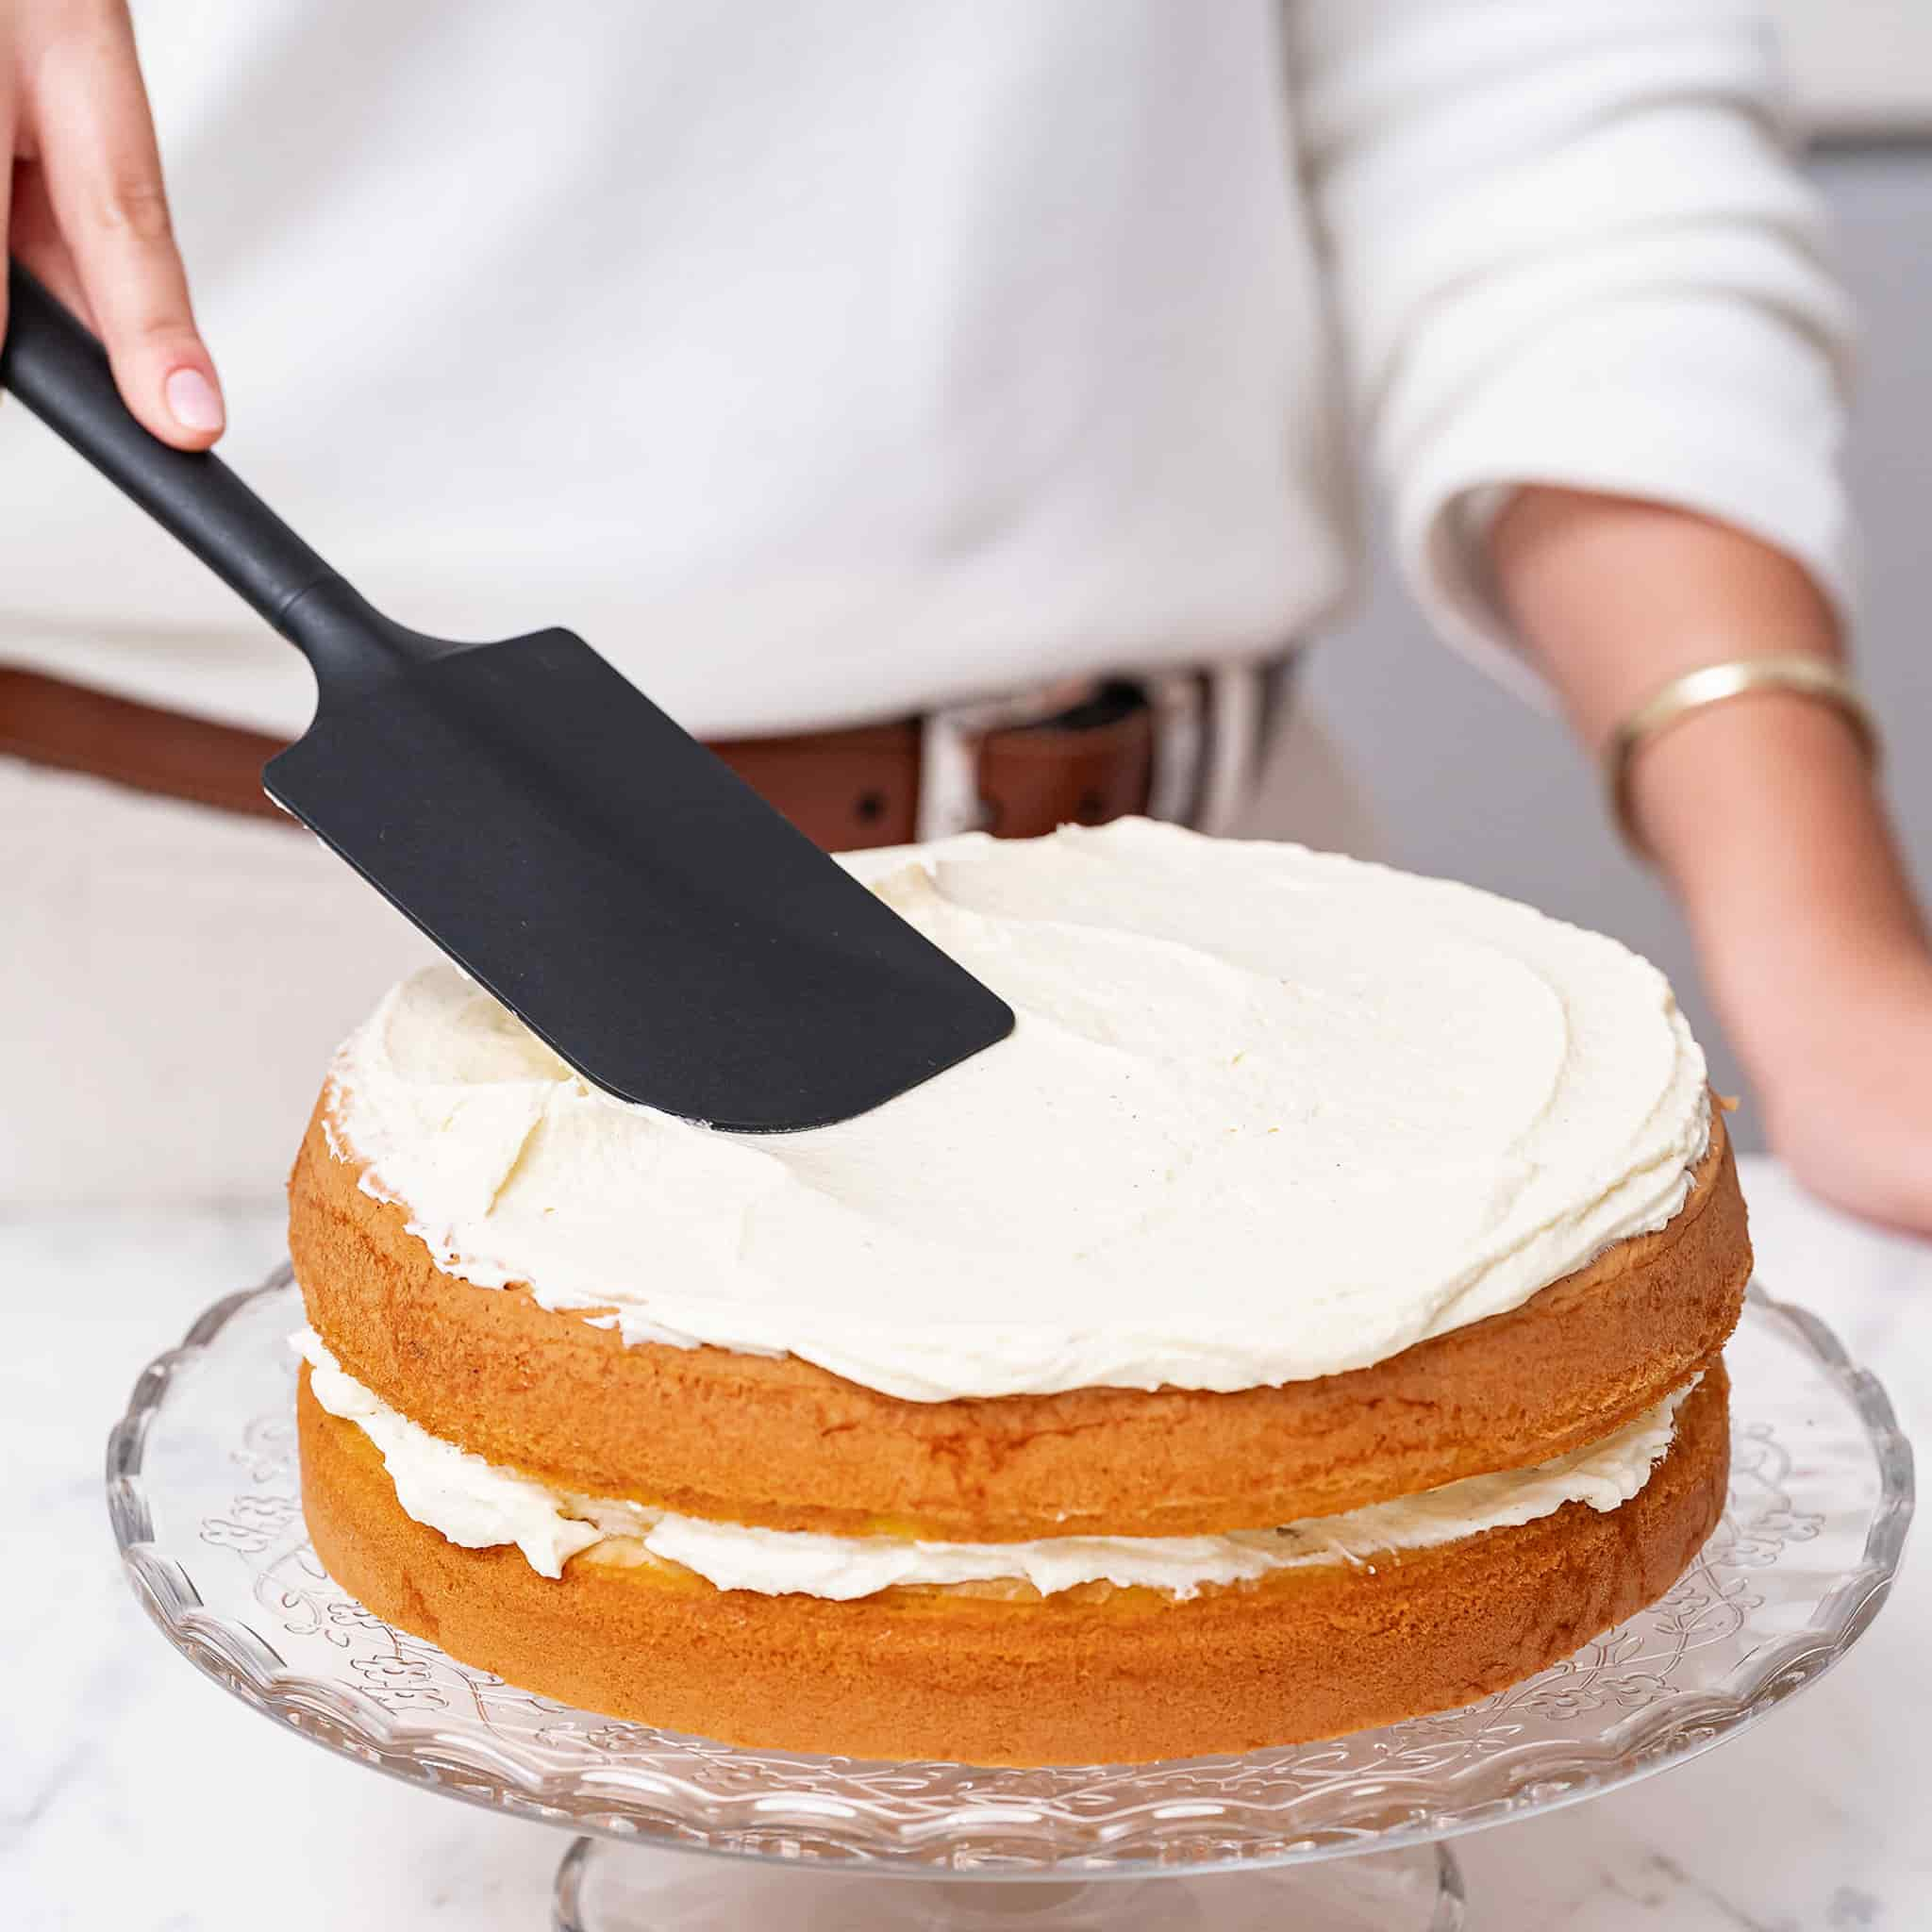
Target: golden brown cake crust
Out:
[1094,1676]
[785,1444]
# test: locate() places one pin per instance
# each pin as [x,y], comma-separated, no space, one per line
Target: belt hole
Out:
[872,807]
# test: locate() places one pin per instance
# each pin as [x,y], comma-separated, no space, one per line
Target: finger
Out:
[95,141]
[34,238]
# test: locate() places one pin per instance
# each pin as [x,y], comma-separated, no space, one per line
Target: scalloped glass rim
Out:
[1430,1779]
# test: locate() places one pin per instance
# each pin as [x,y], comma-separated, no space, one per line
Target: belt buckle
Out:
[950,801]
[1211,724]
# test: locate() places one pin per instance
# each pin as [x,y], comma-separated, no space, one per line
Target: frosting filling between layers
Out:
[478,1505]
[1266,1115]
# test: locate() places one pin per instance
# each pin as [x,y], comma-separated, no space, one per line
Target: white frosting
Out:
[1267,1115]
[468,1499]
[473,1503]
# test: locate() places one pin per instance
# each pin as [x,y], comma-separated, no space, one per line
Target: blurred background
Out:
[1471,782]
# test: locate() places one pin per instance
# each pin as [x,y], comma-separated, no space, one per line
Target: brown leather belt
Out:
[845,788]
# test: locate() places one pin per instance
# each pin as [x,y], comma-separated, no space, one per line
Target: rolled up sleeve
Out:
[1568,245]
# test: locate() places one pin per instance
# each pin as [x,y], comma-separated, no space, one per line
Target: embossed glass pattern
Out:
[202,1487]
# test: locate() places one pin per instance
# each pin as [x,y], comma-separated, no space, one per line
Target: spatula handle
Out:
[52,363]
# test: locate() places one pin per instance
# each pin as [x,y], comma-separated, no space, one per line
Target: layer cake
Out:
[1310,1317]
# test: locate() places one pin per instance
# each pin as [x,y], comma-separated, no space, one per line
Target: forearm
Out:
[1762,812]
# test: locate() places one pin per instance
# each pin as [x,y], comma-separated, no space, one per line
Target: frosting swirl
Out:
[1267,1114]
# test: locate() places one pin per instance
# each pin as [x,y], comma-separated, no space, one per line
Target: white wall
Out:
[1472,783]
[1858,67]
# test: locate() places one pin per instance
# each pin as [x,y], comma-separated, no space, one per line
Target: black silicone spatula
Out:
[612,883]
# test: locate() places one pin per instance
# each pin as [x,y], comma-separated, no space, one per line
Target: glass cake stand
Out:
[1337,1837]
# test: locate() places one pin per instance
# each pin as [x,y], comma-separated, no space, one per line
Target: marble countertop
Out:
[133,1795]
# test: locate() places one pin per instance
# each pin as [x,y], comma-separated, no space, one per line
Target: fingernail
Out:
[193,401]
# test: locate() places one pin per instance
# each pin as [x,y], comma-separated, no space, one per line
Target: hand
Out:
[88,213]
[1840,1046]
[1768,824]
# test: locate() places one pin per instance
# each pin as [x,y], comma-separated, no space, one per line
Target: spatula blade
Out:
[624,894]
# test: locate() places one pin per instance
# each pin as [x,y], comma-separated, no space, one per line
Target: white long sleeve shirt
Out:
[824,361]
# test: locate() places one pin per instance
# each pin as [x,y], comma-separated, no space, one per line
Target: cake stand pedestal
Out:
[1344,1836]
[605,1888]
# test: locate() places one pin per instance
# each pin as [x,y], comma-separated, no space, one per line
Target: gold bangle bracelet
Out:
[1804,676]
